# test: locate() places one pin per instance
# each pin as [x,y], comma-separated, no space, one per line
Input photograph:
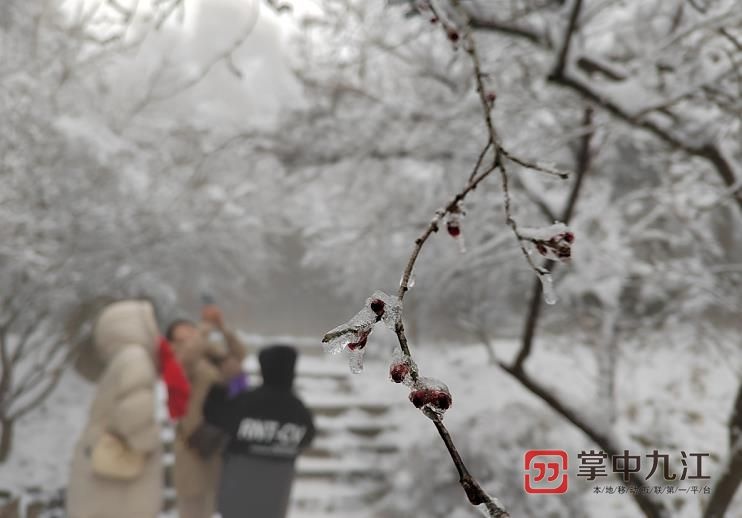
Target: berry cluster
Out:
[353,335]
[557,247]
[425,393]
[438,399]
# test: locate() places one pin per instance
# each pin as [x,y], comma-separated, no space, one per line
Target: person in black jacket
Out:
[267,427]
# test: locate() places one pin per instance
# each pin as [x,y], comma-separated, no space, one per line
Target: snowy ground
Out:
[671,397]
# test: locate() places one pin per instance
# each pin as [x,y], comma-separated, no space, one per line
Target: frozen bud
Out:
[453,35]
[377,306]
[352,336]
[419,398]
[442,400]
[434,20]
[491,97]
[453,220]
[399,371]
[360,340]
[560,245]
[553,242]
[402,368]
[389,308]
[453,227]
[432,394]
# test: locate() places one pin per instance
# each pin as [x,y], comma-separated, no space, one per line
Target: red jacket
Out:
[178,388]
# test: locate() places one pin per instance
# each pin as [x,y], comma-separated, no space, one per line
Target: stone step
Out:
[319,495]
[337,444]
[358,467]
[356,442]
[336,404]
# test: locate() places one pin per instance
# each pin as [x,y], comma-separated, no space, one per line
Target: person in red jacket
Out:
[172,373]
[197,445]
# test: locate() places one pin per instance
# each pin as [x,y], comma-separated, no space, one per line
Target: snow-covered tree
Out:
[93,208]
[399,117]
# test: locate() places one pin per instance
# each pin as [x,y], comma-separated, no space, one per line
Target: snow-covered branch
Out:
[621,91]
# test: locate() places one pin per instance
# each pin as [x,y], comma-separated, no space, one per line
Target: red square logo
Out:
[545,472]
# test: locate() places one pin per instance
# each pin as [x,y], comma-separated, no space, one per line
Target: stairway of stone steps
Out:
[348,463]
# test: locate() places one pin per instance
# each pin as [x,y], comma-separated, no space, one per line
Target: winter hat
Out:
[277,363]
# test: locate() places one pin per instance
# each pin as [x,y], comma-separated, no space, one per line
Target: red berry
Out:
[569,237]
[442,400]
[377,306]
[454,230]
[399,372]
[419,397]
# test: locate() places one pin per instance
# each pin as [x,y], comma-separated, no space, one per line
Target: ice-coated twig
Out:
[434,401]
[487,99]
[474,492]
[352,336]
[536,166]
[363,322]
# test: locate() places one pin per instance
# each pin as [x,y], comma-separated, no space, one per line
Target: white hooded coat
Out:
[125,336]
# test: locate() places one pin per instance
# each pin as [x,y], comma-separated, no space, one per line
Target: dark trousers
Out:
[255,487]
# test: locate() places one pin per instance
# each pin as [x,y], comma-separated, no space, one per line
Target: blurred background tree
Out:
[286,162]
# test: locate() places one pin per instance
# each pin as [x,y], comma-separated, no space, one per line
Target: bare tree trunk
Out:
[731,478]
[6,438]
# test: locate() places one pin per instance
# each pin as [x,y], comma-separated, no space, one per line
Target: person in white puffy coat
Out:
[125,336]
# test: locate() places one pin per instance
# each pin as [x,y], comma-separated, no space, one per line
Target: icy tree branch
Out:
[649,505]
[731,478]
[153,96]
[574,74]
[353,335]
[476,495]
[567,41]
[535,304]
[487,98]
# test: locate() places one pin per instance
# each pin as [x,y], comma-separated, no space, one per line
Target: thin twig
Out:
[480,160]
[536,166]
[487,102]
[534,309]
[579,84]
[434,226]
[564,50]
[474,492]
